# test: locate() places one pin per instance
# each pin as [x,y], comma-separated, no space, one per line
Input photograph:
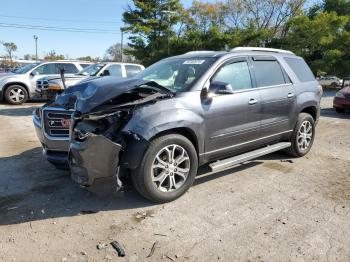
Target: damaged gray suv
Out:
[221,108]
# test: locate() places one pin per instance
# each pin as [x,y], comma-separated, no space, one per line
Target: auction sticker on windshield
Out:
[193,62]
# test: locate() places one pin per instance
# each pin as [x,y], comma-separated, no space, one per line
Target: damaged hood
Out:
[91,93]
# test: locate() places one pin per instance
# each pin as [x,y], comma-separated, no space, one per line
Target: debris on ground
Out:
[101,246]
[158,234]
[153,249]
[287,160]
[169,258]
[118,248]
[87,212]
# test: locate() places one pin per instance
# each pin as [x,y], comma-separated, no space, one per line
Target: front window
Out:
[91,70]
[24,69]
[177,74]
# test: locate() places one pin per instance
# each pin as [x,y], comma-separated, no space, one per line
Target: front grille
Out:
[53,123]
[42,84]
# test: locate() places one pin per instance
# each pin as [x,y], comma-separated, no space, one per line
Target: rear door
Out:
[232,120]
[277,96]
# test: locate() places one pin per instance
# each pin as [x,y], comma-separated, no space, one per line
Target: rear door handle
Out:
[252,101]
[290,95]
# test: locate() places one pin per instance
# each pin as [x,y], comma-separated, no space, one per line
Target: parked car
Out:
[341,101]
[18,86]
[221,108]
[48,87]
[332,81]
[52,121]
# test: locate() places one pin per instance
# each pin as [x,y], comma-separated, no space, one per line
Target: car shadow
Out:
[31,189]
[18,111]
[331,113]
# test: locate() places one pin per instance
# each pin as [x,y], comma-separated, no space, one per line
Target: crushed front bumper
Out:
[95,158]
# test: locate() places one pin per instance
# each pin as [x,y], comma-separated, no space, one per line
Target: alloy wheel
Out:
[16,95]
[305,134]
[170,168]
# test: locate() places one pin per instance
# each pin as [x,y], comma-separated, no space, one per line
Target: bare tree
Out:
[268,14]
[10,47]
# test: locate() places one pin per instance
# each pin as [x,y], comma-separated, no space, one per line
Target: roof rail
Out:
[263,49]
[199,52]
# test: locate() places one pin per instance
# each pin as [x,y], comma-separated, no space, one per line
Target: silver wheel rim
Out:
[16,95]
[170,168]
[305,135]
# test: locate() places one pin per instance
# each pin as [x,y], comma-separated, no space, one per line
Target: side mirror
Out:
[106,73]
[221,88]
[34,73]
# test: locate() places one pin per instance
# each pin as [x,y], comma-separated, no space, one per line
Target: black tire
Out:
[22,98]
[339,110]
[60,166]
[142,176]
[295,150]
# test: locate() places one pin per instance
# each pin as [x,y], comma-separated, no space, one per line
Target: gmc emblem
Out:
[66,123]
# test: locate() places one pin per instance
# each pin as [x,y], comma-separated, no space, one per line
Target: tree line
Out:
[317,31]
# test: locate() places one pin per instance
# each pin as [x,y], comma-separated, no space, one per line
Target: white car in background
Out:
[332,81]
[48,87]
[19,86]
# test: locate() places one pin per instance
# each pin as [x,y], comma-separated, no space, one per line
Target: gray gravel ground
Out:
[264,210]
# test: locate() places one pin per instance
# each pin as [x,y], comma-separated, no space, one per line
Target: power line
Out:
[60,20]
[59,29]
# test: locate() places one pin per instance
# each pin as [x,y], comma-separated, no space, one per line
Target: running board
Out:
[232,161]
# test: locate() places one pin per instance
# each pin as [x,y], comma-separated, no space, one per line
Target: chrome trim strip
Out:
[251,141]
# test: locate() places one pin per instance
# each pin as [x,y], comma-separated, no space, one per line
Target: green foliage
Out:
[323,41]
[150,24]
[320,34]
[51,56]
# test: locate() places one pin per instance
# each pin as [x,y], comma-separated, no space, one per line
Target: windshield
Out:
[177,74]
[24,69]
[91,70]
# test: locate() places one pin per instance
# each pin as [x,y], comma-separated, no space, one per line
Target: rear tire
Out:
[339,110]
[303,136]
[16,95]
[167,170]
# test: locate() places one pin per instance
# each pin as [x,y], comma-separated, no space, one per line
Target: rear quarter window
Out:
[300,68]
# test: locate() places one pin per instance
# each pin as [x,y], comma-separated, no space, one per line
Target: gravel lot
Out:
[265,210]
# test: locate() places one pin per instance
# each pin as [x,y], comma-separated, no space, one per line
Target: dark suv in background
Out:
[221,108]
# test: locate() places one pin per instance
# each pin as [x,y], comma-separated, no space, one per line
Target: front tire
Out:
[16,95]
[167,170]
[303,136]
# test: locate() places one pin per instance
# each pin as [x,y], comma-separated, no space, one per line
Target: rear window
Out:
[132,70]
[268,73]
[300,68]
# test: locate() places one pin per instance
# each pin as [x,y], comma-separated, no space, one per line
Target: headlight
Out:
[54,88]
[339,95]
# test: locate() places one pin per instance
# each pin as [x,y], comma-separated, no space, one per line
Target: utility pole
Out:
[36,47]
[168,13]
[121,47]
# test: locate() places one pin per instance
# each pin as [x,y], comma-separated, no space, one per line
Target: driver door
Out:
[232,120]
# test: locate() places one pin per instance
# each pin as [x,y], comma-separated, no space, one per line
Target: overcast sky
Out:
[77,14]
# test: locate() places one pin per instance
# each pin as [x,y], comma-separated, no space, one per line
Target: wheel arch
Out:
[184,131]
[311,110]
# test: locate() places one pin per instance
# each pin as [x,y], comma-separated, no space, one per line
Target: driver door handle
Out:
[290,95]
[252,101]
